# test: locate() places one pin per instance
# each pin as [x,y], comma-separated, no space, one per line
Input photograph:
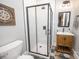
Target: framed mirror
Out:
[64,19]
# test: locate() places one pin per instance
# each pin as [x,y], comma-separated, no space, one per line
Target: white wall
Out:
[12,33]
[76,31]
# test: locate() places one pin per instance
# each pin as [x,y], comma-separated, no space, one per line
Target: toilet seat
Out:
[25,57]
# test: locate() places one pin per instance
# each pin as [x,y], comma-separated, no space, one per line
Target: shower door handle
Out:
[47,31]
[44,28]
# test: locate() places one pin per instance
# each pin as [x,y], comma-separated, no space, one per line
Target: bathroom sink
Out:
[65,33]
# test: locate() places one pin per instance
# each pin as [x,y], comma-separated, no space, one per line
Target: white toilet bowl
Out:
[25,57]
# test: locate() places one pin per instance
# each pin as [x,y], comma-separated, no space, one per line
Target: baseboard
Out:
[75,55]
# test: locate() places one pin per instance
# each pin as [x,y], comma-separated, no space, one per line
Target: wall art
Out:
[7,15]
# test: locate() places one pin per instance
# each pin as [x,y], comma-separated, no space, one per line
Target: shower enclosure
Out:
[39,22]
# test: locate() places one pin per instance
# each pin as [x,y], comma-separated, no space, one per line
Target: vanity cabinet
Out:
[65,40]
[64,43]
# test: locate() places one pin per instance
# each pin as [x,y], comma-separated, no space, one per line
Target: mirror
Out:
[64,19]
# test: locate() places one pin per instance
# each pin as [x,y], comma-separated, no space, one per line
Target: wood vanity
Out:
[64,42]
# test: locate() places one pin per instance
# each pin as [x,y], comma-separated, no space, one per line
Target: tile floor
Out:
[56,56]
[35,57]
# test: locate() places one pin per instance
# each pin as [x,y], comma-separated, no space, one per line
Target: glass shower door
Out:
[42,23]
[32,29]
[38,25]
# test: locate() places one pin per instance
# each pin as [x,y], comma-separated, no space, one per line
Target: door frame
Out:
[36,30]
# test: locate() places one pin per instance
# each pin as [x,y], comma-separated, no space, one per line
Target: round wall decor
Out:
[7,15]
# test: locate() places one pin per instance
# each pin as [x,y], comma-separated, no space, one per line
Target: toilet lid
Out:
[25,57]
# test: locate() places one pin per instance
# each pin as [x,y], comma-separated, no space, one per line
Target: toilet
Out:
[13,51]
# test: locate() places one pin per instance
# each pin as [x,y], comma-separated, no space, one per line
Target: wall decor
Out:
[76,22]
[7,15]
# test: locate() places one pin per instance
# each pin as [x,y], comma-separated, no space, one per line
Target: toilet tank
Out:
[11,50]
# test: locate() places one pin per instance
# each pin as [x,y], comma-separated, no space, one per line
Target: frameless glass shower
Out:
[39,22]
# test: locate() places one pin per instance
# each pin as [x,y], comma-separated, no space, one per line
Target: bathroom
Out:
[17,30]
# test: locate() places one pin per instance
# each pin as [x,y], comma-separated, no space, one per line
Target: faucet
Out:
[63,29]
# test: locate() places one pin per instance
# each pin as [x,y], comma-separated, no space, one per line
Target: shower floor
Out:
[41,48]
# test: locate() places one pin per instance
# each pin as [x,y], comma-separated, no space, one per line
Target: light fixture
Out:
[66,3]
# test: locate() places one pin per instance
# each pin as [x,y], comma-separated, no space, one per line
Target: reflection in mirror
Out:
[64,19]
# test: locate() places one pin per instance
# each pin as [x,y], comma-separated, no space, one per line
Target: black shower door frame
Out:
[36,31]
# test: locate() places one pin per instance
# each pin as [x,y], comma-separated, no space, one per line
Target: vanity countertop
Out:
[65,33]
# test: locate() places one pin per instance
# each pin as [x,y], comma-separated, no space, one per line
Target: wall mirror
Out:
[64,19]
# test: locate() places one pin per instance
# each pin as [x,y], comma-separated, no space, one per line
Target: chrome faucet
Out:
[63,29]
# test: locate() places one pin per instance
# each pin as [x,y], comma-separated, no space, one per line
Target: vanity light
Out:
[66,3]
